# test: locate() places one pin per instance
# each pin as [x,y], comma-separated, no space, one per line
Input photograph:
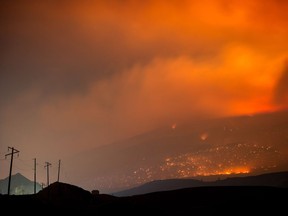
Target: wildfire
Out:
[235,170]
[174,126]
[204,136]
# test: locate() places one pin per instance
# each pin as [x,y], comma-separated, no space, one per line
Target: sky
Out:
[75,75]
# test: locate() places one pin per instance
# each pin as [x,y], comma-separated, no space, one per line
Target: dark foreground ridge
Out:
[276,179]
[66,198]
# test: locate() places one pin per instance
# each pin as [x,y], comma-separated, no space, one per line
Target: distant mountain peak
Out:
[19,185]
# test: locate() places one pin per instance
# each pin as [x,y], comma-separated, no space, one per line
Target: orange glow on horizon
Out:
[235,170]
[228,171]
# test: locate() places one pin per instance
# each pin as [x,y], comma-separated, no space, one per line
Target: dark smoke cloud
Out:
[46,46]
[79,74]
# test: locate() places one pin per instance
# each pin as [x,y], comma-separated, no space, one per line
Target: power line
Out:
[11,163]
[59,170]
[47,164]
[65,173]
[34,175]
[19,168]
[25,162]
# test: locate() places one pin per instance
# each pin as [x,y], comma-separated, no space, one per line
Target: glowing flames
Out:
[227,171]
[173,126]
[238,158]
[204,136]
[235,170]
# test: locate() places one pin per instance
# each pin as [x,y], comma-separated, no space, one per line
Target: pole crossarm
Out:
[14,151]
[47,164]
[59,164]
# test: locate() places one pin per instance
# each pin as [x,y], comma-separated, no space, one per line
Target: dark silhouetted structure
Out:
[47,164]
[13,151]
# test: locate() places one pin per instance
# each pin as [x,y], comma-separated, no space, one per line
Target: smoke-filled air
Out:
[87,81]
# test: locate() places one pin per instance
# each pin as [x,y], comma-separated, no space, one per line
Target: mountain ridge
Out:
[276,179]
[252,144]
[19,185]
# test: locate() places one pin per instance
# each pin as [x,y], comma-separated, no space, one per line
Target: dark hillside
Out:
[69,199]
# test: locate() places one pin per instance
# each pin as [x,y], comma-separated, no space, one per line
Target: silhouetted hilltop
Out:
[200,200]
[278,179]
[68,199]
[60,193]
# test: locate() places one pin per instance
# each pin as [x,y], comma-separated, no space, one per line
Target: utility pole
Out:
[59,170]
[47,166]
[11,163]
[34,175]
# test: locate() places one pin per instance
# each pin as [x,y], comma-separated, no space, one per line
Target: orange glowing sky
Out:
[80,74]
